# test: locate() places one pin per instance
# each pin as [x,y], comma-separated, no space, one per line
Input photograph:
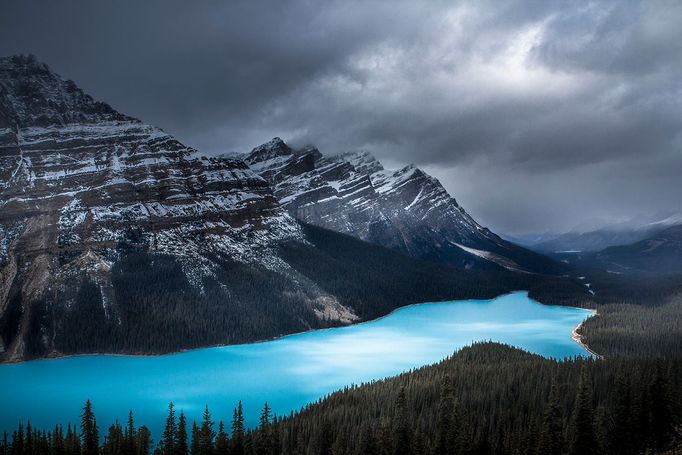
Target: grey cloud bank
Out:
[536,115]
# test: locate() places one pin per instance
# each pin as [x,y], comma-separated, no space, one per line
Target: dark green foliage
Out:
[84,324]
[222,443]
[582,430]
[551,431]
[181,435]
[10,319]
[238,430]
[627,330]
[89,431]
[195,448]
[374,280]
[167,446]
[402,430]
[206,434]
[491,398]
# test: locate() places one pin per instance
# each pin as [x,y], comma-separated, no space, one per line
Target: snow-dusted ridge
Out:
[405,209]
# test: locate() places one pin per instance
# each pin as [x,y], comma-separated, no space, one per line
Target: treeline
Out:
[486,399]
[627,330]
[374,280]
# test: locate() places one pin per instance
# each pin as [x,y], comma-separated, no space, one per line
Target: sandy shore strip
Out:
[578,338]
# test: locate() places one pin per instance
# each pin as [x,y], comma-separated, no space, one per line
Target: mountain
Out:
[590,241]
[622,233]
[660,253]
[406,209]
[116,237]
[89,195]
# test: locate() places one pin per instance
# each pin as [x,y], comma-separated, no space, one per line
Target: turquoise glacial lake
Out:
[288,372]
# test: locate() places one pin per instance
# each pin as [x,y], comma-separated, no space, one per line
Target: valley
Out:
[136,271]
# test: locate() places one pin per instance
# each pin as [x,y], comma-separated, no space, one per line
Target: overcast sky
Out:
[536,115]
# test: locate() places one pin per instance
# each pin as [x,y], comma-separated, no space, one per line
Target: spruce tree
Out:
[89,431]
[181,436]
[58,445]
[72,441]
[583,433]
[221,441]
[238,430]
[444,443]
[195,448]
[368,443]
[263,434]
[206,434]
[169,430]
[620,431]
[661,422]
[28,442]
[130,436]
[325,438]
[551,432]
[144,440]
[402,436]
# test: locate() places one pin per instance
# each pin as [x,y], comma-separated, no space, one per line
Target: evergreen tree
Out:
[402,436]
[112,441]
[325,438]
[144,440]
[72,441]
[195,448]
[206,434]
[661,422]
[620,430]
[169,430]
[89,431]
[28,442]
[583,433]
[58,445]
[551,432]
[263,435]
[130,436]
[444,443]
[222,444]
[181,436]
[368,443]
[238,430]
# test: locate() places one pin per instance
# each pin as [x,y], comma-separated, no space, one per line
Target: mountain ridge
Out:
[405,209]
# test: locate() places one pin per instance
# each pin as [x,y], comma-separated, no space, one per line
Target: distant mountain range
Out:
[660,253]
[597,239]
[116,237]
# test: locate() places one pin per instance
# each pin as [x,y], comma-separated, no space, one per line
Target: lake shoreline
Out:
[578,338]
[575,336]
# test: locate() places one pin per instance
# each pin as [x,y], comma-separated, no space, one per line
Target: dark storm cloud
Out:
[535,114]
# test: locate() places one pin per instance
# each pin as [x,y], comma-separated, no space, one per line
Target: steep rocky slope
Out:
[82,187]
[406,210]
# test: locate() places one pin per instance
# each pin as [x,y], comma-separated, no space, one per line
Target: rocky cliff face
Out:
[81,185]
[407,209]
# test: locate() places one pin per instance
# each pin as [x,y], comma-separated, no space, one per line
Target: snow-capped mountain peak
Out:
[405,209]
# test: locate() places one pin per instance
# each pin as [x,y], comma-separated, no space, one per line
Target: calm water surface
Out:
[288,372]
